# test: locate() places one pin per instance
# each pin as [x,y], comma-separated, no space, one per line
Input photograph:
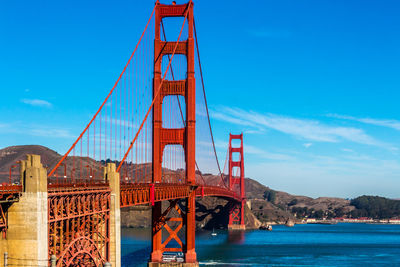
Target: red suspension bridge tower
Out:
[236,183]
[170,221]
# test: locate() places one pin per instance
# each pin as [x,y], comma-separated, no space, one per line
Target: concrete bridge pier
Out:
[113,178]
[26,242]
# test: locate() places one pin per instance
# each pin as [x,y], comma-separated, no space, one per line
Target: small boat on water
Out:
[268,227]
[213,233]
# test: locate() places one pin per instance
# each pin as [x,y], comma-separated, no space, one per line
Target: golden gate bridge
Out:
[149,143]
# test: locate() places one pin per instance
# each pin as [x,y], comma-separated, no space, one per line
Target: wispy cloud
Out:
[37,102]
[225,116]
[258,131]
[394,124]
[347,150]
[249,149]
[265,154]
[4,125]
[55,133]
[306,129]
[307,145]
[35,130]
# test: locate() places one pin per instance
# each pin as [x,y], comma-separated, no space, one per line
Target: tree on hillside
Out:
[318,214]
[293,202]
[270,195]
[375,207]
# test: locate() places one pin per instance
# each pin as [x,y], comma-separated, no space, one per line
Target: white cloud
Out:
[37,102]
[394,124]
[249,149]
[347,150]
[61,133]
[306,129]
[307,145]
[35,130]
[235,120]
[265,154]
[260,131]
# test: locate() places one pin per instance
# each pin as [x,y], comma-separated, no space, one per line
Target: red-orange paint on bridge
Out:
[147,126]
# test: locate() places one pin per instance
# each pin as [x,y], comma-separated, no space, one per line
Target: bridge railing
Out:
[6,190]
[148,193]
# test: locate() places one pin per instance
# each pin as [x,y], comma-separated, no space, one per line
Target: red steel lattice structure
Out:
[8,194]
[79,225]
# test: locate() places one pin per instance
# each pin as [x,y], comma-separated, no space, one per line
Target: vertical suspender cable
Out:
[181,157]
[205,99]
[109,94]
[157,93]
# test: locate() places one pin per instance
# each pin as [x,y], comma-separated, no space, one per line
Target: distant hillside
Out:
[267,205]
[49,158]
[276,206]
[375,207]
[11,154]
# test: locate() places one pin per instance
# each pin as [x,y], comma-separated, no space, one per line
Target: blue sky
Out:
[314,85]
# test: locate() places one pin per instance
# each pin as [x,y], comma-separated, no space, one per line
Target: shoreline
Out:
[283,224]
[328,222]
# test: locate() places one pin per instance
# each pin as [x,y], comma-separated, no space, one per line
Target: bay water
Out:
[342,244]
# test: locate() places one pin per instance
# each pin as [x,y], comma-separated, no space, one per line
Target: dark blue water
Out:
[343,244]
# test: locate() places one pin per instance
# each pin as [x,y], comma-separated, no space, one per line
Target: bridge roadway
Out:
[132,194]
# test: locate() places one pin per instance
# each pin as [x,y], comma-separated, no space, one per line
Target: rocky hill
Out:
[273,206]
[9,157]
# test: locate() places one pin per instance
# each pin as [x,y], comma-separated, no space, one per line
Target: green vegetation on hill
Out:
[304,212]
[270,195]
[375,207]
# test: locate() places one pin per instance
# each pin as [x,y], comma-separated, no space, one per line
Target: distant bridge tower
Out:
[170,222]
[236,183]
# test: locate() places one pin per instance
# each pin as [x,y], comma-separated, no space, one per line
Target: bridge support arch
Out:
[81,251]
[236,183]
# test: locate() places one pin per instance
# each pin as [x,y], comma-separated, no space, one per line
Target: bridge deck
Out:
[131,193]
[9,193]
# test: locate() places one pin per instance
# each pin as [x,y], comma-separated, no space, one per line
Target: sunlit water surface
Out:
[302,245]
